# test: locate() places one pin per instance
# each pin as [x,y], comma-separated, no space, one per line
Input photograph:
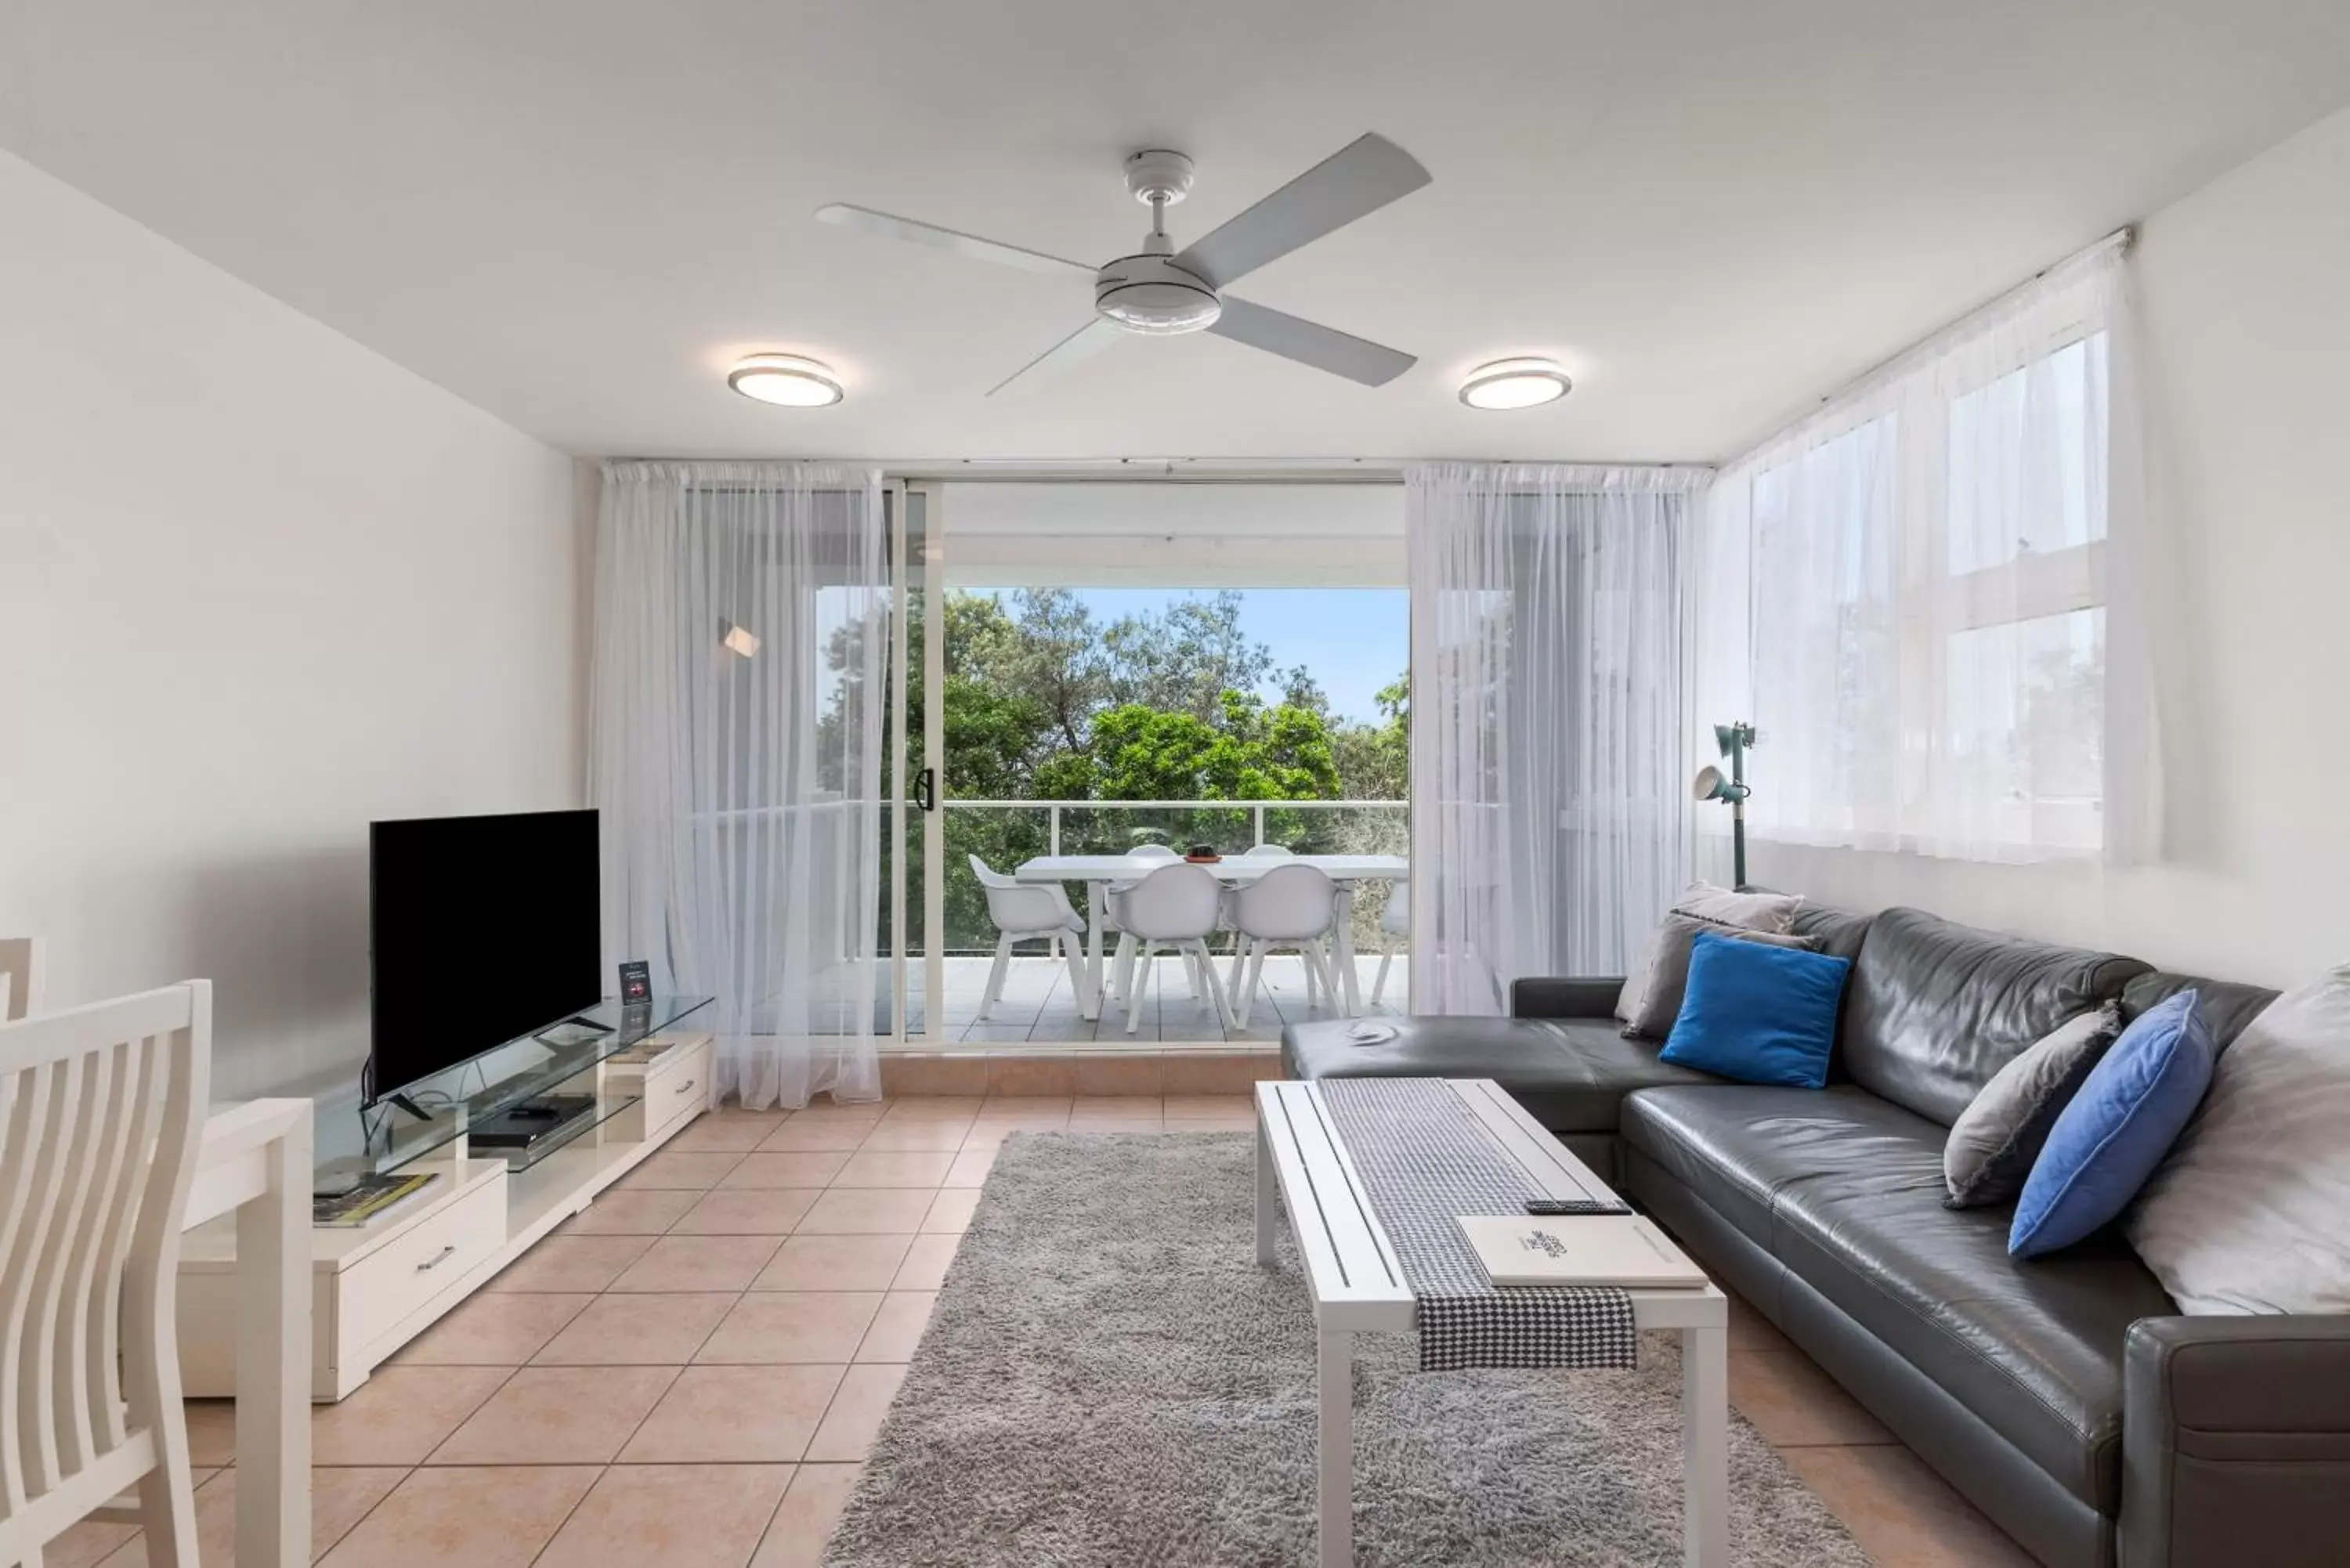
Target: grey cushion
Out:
[1748,909]
[1996,1138]
[1668,965]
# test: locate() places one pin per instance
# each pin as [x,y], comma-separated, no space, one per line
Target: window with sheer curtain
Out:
[1944,638]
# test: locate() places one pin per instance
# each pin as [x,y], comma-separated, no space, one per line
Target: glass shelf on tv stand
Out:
[565,1056]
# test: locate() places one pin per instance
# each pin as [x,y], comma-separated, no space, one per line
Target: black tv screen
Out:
[482,929]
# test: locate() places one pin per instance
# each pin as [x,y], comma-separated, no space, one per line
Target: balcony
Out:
[1040,1005]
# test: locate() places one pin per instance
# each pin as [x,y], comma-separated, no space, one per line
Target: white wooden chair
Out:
[99,1112]
[20,977]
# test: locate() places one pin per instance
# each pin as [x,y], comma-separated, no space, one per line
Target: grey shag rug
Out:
[1109,1379]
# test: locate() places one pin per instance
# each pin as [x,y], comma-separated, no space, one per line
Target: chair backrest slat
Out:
[99,1108]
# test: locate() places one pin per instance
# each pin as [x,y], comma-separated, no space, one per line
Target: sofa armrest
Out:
[1552,996]
[2236,1442]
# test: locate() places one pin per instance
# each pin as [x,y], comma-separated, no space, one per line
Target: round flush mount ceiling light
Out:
[786,379]
[1520,383]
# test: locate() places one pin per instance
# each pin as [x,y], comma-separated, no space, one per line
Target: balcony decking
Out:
[1038,1007]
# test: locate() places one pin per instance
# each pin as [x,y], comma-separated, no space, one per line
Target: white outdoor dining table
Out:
[1099,872]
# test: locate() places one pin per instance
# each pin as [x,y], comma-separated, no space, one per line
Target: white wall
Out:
[258,586]
[2245,291]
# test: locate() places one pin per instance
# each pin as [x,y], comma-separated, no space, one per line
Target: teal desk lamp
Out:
[1733,740]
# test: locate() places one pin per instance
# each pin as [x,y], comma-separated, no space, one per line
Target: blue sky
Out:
[1355,640]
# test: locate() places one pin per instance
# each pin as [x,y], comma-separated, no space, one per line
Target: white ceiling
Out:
[575,212]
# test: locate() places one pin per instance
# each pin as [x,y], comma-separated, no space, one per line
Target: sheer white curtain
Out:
[1548,760]
[1945,620]
[740,783]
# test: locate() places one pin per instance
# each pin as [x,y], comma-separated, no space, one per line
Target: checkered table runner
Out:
[1424,1159]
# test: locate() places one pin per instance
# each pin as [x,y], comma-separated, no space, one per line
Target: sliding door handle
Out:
[926,789]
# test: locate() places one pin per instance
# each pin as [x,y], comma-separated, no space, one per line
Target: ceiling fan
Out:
[1160,292]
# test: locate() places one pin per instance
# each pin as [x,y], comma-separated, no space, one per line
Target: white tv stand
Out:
[375,1288]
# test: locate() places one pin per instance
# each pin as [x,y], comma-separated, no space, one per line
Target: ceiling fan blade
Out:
[1361,177]
[1078,346]
[1323,347]
[962,244]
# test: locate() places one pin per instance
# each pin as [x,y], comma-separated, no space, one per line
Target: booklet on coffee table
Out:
[1622,1250]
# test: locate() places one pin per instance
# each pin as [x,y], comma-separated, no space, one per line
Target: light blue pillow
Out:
[1757,1013]
[2130,1109]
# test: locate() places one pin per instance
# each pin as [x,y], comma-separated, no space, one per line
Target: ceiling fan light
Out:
[1520,383]
[789,381]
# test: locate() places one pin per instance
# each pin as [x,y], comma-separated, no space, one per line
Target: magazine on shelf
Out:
[369,1199]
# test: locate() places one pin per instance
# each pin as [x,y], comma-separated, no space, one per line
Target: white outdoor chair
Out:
[1395,931]
[1122,961]
[98,1117]
[1174,906]
[1289,906]
[1024,911]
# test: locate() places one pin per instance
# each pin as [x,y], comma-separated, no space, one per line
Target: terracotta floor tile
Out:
[1025,1110]
[399,1415]
[495,1328]
[971,1167]
[797,1535]
[683,1167]
[644,1329]
[1095,1107]
[835,1263]
[951,1211]
[735,1415]
[897,1327]
[747,1211]
[677,1516]
[90,1542]
[867,1210]
[567,1264]
[1749,1330]
[340,1498]
[801,1136]
[771,1327]
[699,1263]
[631,1211]
[558,1416]
[833,1113]
[497,1517]
[925,1268]
[933,1108]
[211,1433]
[1191,1106]
[895,1167]
[736,1132]
[804,1168]
[1794,1404]
[1902,1513]
[935,1135]
[855,1417]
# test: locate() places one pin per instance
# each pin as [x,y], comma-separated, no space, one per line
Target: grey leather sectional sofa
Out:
[2067,1397]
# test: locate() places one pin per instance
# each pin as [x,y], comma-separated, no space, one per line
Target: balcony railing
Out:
[1004,833]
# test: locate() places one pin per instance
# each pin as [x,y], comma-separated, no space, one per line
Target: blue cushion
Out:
[1759,1014]
[2128,1112]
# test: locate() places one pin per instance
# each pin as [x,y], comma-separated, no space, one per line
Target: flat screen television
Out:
[482,930]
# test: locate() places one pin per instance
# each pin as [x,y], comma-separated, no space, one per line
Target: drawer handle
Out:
[687,1087]
[439,1257]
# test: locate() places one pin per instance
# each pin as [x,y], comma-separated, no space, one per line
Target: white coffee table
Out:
[1357,1286]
